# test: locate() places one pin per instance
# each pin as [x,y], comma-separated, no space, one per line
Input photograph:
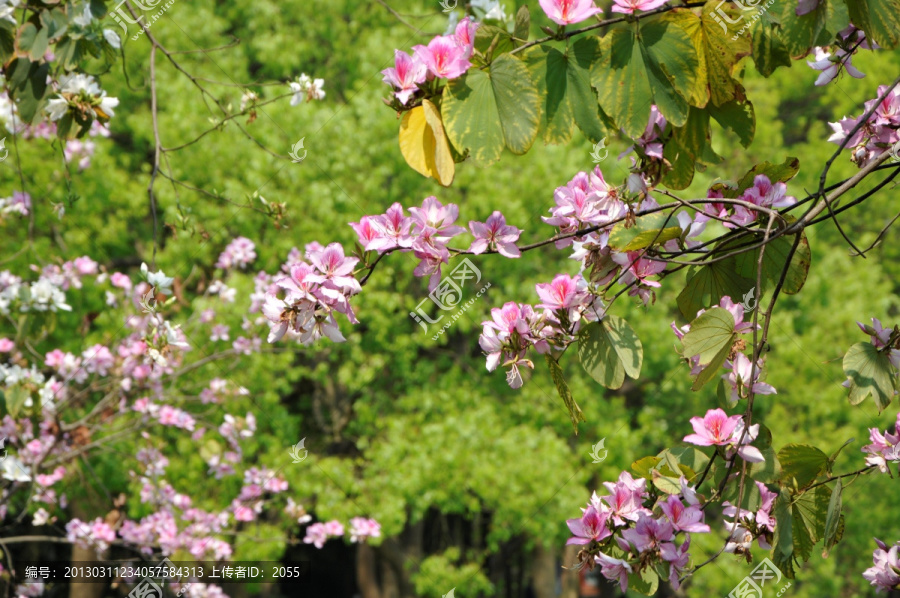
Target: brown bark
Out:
[570,576]
[543,572]
[366,576]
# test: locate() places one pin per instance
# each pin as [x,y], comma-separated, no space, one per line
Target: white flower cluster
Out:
[42,295]
[13,375]
[307,88]
[81,92]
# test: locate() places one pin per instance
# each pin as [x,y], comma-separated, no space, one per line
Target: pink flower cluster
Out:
[426,232]
[748,525]
[763,194]
[567,12]
[319,533]
[640,536]
[445,57]
[716,428]
[18,203]
[589,205]
[97,534]
[312,294]
[514,328]
[885,448]
[587,201]
[629,6]
[878,134]
[885,574]
[240,253]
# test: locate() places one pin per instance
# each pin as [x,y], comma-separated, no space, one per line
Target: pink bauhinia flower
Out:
[444,57]
[406,75]
[394,227]
[684,519]
[629,6]
[649,533]
[767,195]
[562,293]
[464,35]
[566,12]
[806,6]
[740,379]
[589,527]
[884,574]
[368,232]
[678,559]
[717,429]
[626,498]
[713,429]
[495,234]
[613,568]
[831,65]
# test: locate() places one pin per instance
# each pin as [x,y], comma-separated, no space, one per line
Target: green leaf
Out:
[609,349]
[769,52]
[28,87]
[645,582]
[710,371]
[809,513]
[659,67]
[652,229]
[563,80]
[800,32]
[15,399]
[523,24]
[870,372]
[7,40]
[707,285]
[768,471]
[783,541]
[563,389]
[718,50]
[802,462]
[55,22]
[711,332]
[485,110]
[774,261]
[776,172]
[690,456]
[880,19]
[484,38]
[687,147]
[737,117]
[667,484]
[833,518]
[643,466]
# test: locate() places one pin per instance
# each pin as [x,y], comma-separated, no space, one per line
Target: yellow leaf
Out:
[424,144]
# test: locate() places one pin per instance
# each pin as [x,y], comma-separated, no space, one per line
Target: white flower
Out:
[492,9]
[79,82]
[306,88]
[57,108]
[249,98]
[14,470]
[107,105]
[316,89]
[85,18]
[157,279]
[112,38]
[41,517]
[7,7]
[45,295]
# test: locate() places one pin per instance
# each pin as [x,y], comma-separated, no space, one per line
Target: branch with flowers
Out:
[482,88]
